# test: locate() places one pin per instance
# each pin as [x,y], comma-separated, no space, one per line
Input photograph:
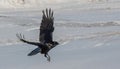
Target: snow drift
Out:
[35,3]
[44,3]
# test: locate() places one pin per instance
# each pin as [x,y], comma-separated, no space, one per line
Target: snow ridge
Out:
[35,3]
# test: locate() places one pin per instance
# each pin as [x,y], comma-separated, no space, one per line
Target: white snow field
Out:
[88,32]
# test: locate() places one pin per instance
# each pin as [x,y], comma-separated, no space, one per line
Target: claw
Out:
[48,57]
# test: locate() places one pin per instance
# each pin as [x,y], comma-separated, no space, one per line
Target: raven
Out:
[46,42]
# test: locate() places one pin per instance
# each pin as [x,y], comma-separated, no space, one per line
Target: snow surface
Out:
[88,32]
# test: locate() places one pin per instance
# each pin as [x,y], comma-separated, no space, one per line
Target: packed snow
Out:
[88,32]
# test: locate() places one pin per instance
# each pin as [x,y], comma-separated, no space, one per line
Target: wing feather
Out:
[46,27]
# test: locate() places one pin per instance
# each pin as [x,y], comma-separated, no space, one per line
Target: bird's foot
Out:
[48,57]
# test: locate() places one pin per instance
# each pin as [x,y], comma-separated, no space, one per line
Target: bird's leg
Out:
[45,55]
[48,57]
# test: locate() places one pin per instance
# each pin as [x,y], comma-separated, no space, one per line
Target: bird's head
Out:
[55,43]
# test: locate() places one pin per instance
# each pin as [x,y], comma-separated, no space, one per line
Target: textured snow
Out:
[58,3]
[35,3]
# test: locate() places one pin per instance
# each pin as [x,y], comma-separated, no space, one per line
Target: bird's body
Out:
[46,42]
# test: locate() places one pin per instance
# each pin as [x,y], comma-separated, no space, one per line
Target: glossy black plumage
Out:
[46,42]
[46,27]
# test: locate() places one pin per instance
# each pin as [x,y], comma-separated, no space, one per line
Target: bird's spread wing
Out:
[46,27]
[22,38]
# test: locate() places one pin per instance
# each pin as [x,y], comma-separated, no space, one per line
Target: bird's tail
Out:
[34,52]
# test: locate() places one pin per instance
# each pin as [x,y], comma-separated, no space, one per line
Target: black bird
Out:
[46,42]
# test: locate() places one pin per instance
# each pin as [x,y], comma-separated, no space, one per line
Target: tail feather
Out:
[34,52]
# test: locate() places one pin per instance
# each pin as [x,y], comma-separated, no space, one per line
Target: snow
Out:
[35,3]
[88,32]
[58,3]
